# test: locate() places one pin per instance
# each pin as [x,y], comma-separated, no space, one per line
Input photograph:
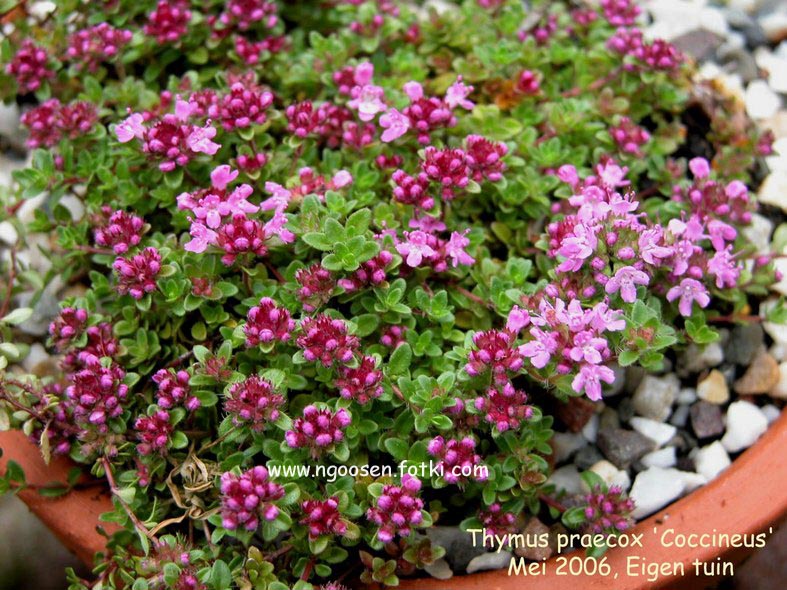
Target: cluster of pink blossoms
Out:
[629,137]
[658,55]
[172,138]
[243,14]
[67,327]
[30,67]
[503,406]
[326,340]
[318,429]
[169,21]
[96,394]
[362,383]
[137,273]
[496,520]
[253,401]
[174,389]
[370,274]
[248,497]
[51,121]
[608,512]
[423,247]
[457,459]
[619,249]
[267,322]
[94,45]
[316,286]
[121,231]
[398,509]
[322,517]
[243,106]
[573,338]
[153,432]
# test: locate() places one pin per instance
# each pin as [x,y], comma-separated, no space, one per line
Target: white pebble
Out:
[692,480]
[662,458]
[771,412]
[566,478]
[658,432]
[611,475]
[761,101]
[590,430]
[745,424]
[489,561]
[566,444]
[654,488]
[711,460]
[780,391]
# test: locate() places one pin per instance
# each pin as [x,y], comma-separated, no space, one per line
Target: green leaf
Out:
[220,575]
[397,447]
[574,517]
[399,362]
[17,316]
[628,357]
[318,241]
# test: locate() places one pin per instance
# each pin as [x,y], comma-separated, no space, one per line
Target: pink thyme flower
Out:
[393,336]
[398,509]
[485,158]
[589,379]
[202,237]
[426,114]
[303,119]
[253,402]
[169,21]
[362,383]
[174,390]
[395,124]
[122,231]
[317,285]
[629,137]
[608,512]
[248,497]
[241,107]
[267,323]
[153,433]
[457,93]
[100,43]
[411,190]
[620,13]
[724,267]
[130,128]
[518,318]
[368,101]
[137,274]
[496,521]
[689,291]
[326,340]
[97,394]
[100,343]
[371,273]
[504,407]
[318,429]
[67,327]
[626,280]
[495,350]
[528,83]
[455,249]
[458,461]
[448,167]
[415,248]
[30,67]
[322,517]
[211,205]
[244,13]
[200,140]
[241,236]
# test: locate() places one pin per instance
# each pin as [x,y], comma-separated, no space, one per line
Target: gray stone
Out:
[587,457]
[751,29]
[608,419]
[771,413]
[745,340]
[616,387]
[534,529]
[698,358]
[706,419]
[680,416]
[761,376]
[590,430]
[439,570]
[700,44]
[655,395]
[458,545]
[489,561]
[687,395]
[566,444]
[623,447]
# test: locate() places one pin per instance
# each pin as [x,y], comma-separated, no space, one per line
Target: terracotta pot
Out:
[749,497]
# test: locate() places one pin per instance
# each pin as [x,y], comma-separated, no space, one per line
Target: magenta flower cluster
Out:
[68,326]
[153,432]
[456,458]
[96,394]
[174,390]
[362,383]
[326,340]
[322,517]
[267,322]
[90,47]
[254,402]
[503,406]
[52,121]
[137,274]
[397,510]
[30,67]
[318,429]
[121,232]
[496,520]
[248,497]
[608,511]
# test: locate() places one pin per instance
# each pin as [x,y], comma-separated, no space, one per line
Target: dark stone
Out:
[623,447]
[625,409]
[751,29]
[458,545]
[744,343]
[586,457]
[706,419]
[532,532]
[685,464]
[576,413]
[700,44]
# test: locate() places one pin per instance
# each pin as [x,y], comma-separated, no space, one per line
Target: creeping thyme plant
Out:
[348,233]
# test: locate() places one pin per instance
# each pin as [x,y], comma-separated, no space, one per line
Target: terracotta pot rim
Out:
[745,499]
